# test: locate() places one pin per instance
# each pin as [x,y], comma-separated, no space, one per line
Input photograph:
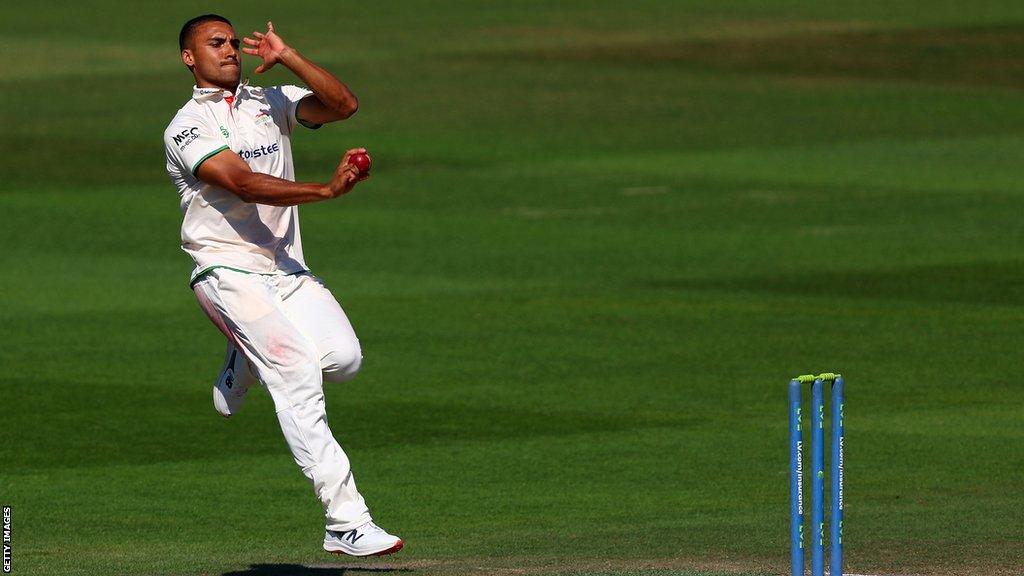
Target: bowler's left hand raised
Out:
[268,46]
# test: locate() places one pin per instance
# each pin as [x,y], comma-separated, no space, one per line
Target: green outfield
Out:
[600,238]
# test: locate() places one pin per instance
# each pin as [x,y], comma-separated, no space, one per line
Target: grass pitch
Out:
[598,241]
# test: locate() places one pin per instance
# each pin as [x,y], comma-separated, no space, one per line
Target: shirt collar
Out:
[214,94]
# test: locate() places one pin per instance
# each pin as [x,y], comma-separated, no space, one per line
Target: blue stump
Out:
[817,479]
[836,470]
[796,481]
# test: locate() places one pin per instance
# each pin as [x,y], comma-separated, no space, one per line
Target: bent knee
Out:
[342,365]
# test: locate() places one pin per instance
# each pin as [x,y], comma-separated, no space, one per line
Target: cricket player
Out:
[229,154]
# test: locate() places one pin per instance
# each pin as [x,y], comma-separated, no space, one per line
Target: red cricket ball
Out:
[361,161]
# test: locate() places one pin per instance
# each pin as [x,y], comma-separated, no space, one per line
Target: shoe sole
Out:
[398,546]
[229,413]
[227,364]
[224,414]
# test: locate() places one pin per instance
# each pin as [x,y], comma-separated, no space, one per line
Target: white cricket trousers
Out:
[295,335]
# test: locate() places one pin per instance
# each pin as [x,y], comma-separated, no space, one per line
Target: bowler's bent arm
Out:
[227,170]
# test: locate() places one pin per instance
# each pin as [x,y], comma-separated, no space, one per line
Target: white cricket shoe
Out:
[233,382]
[366,540]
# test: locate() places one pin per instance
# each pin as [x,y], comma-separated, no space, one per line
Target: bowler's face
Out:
[215,55]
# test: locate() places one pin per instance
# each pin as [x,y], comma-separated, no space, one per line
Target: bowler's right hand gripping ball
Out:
[361,161]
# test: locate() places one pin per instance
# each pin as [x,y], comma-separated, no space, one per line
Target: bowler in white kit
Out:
[229,154]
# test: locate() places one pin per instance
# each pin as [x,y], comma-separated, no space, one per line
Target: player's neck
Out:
[203,83]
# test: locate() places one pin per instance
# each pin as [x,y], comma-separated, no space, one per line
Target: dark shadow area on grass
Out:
[996,283]
[968,55]
[300,570]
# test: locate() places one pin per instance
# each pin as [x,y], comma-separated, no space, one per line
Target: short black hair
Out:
[190,27]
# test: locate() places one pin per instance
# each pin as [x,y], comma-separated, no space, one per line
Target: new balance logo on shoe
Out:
[366,540]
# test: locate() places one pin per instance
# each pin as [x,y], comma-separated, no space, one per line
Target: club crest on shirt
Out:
[262,118]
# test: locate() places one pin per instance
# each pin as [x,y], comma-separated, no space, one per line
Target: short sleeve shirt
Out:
[218,228]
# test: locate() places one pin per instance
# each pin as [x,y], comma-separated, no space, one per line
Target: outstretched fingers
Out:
[270,30]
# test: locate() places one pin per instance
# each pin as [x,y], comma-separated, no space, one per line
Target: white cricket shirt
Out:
[218,228]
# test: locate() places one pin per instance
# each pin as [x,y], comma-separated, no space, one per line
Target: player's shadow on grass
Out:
[300,570]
